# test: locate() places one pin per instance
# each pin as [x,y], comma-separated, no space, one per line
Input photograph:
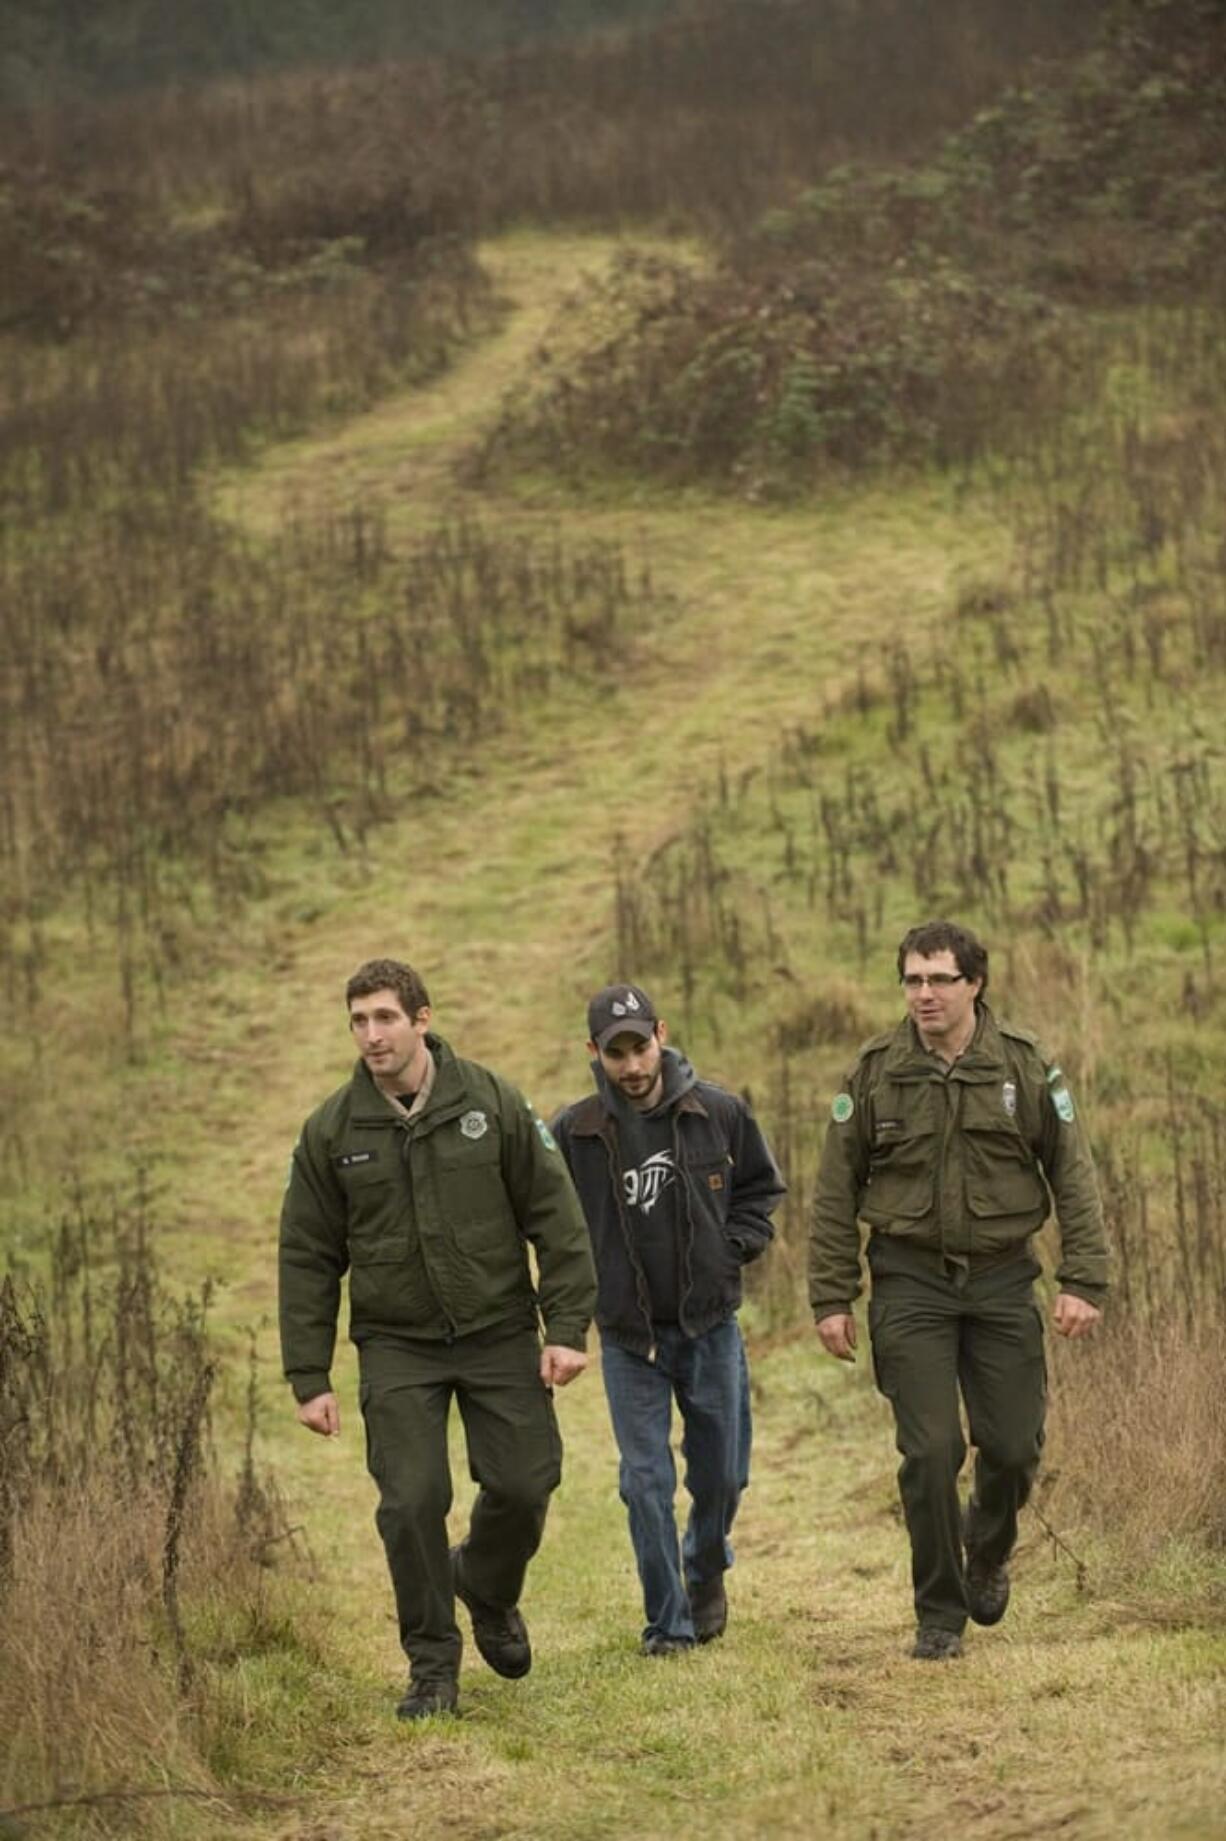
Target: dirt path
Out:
[401,456]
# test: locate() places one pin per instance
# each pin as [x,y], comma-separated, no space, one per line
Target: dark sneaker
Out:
[664,1646]
[709,1608]
[501,1636]
[932,1644]
[987,1591]
[422,1698]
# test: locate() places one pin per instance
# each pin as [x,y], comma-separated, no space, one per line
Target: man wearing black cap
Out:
[678,1187]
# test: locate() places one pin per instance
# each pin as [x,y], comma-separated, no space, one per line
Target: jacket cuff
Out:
[309,1386]
[566,1336]
[1089,1294]
[822,1311]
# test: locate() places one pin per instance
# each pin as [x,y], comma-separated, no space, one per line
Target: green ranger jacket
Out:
[963,1160]
[430,1216]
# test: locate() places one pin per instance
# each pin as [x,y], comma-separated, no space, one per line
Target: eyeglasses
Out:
[940,981]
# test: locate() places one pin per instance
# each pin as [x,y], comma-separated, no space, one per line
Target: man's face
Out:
[633,1066]
[941,1012]
[390,1043]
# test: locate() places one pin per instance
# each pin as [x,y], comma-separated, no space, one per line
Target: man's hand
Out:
[838,1334]
[559,1366]
[322,1415]
[1073,1316]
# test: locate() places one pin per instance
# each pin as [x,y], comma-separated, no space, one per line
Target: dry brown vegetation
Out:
[711,114]
[930,312]
[131,1569]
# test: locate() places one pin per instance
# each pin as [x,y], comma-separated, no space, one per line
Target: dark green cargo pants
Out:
[514,1456]
[936,1331]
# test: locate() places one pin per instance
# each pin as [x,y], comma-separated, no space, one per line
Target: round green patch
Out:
[841,1108]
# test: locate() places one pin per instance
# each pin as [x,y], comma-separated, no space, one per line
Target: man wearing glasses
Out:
[950,1139]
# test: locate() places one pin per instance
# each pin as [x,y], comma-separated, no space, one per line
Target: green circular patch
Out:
[841,1108]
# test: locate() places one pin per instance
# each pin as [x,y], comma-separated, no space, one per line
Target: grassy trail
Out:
[807,1717]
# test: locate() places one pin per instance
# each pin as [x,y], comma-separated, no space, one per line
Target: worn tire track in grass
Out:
[808,1716]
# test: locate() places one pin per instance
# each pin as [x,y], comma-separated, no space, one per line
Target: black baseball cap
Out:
[620,1010]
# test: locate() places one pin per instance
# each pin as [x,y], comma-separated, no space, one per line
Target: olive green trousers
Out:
[940,1335]
[514,1456]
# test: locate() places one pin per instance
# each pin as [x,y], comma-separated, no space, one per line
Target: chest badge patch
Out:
[474,1125]
[1008,1094]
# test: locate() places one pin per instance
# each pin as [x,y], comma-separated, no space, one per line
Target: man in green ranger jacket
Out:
[950,1139]
[424,1177]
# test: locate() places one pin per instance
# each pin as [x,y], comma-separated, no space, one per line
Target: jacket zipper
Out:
[406,1158]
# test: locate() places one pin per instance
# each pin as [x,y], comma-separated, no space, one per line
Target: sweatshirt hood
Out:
[679,1077]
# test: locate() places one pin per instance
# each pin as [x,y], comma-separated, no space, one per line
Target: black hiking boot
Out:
[501,1636]
[709,1608]
[987,1591]
[424,1697]
[933,1644]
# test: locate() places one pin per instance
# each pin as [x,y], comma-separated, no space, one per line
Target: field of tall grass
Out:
[935,274]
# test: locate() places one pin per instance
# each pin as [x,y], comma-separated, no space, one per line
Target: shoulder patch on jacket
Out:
[1062,1100]
[542,1130]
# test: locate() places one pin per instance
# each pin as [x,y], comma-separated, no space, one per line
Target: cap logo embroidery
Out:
[474,1125]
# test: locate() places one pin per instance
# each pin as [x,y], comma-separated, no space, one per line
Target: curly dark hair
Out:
[389,975]
[946,936]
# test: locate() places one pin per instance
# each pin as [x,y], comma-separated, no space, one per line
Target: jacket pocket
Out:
[375,1232]
[711,1187]
[1000,1173]
[902,1177]
[469,1184]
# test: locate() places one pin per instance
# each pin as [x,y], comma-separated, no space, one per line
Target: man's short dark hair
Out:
[937,936]
[389,975]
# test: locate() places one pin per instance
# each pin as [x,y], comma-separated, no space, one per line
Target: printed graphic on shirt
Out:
[646,1185]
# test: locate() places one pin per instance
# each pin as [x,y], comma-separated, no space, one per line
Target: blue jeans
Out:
[708,1377]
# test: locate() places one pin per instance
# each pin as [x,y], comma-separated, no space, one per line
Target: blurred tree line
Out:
[53,48]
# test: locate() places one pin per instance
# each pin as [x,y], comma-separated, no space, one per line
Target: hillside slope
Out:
[1088,1712]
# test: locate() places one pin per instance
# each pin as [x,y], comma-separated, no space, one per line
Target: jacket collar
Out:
[982,1059]
[448,1097]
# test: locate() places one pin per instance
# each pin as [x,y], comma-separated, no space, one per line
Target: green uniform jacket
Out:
[430,1216]
[957,1160]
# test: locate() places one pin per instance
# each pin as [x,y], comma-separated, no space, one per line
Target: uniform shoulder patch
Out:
[1062,1100]
[544,1134]
[841,1108]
